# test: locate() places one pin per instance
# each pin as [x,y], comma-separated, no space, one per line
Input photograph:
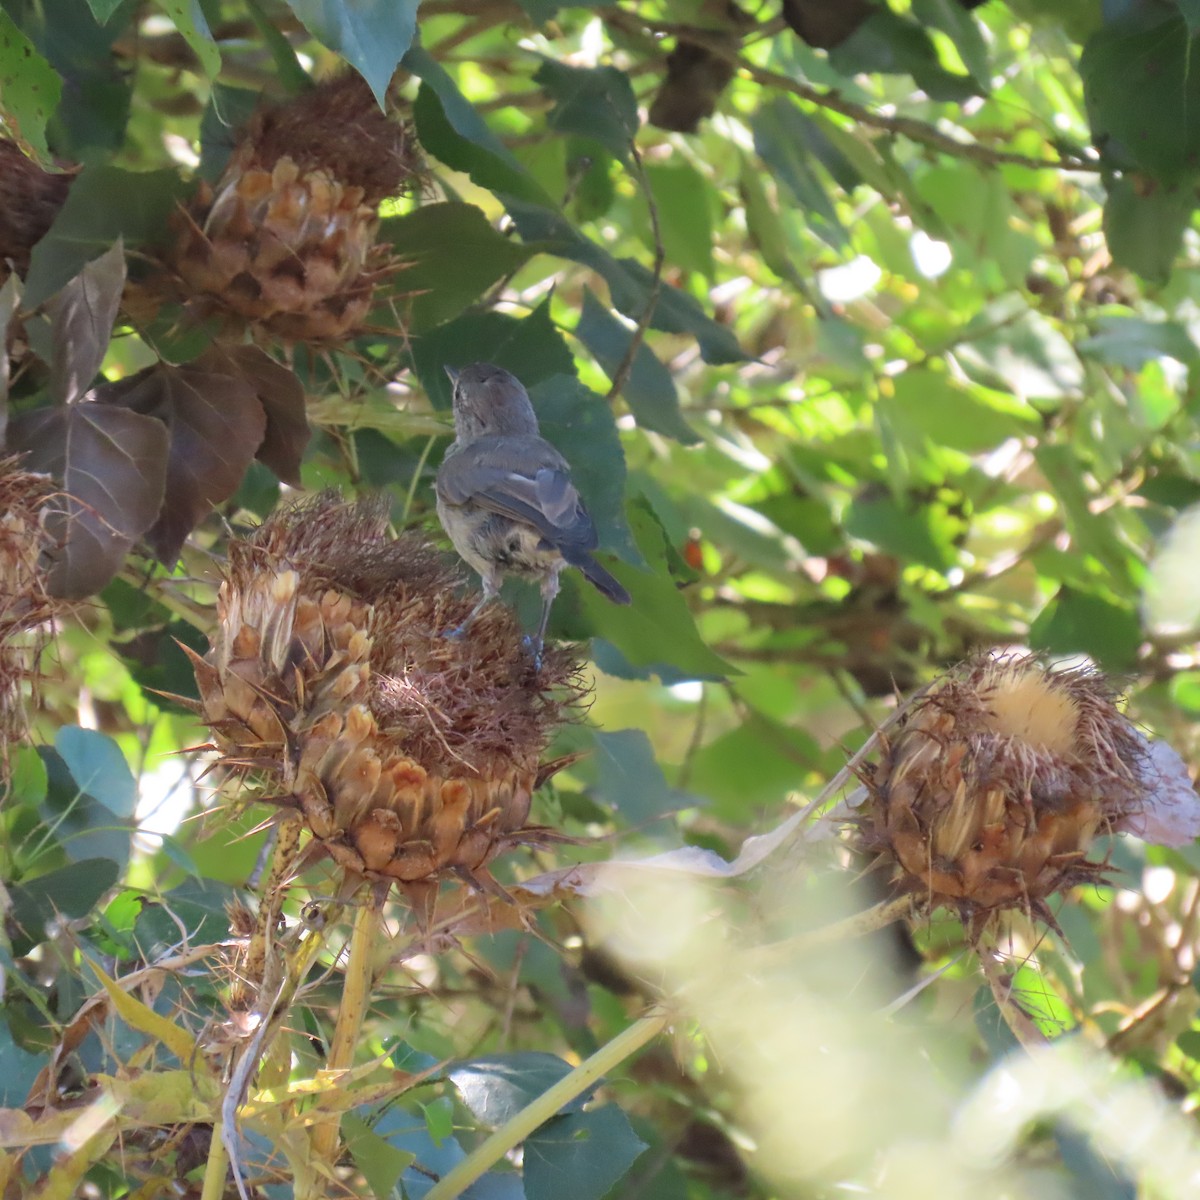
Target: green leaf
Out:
[894,44]
[105,203]
[452,255]
[1144,223]
[764,225]
[650,389]
[927,408]
[1021,350]
[753,766]
[495,1087]
[656,634]
[1143,92]
[191,22]
[1131,342]
[779,139]
[449,128]
[580,1155]
[69,892]
[912,532]
[102,10]
[371,35]
[951,17]
[98,767]
[1076,622]
[682,196]
[30,89]
[27,778]
[629,779]
[381,1164]
[629,282]
[594,102]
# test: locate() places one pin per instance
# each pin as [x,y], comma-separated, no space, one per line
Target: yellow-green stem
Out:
[356,996]
[216,1168]
[862,923]
[516,1130]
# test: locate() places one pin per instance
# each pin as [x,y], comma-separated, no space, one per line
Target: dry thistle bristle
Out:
[26,609]
[29,201]
[994,783]
[408,754]
[286,239]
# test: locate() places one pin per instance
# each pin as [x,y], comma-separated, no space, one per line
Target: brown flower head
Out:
[994,783]
[407,753]
[286,239]
[29,201]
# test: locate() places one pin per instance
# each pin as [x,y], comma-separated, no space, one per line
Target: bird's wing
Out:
[520,477]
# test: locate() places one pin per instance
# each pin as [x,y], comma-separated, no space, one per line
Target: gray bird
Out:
[505,497]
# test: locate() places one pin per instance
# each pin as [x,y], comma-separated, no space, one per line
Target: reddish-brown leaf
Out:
[111,464]
[282,396]
[81,322]
[215,424]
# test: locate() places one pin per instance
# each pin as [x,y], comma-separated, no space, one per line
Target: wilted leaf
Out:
[1170,814]
[112,465]
[215,423]
[81,322]
[281,395]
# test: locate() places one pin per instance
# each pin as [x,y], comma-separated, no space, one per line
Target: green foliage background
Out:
[904,339]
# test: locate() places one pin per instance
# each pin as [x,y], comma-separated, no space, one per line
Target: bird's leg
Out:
[491,589]
[549,591]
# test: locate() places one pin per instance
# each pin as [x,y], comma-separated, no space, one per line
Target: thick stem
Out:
[356,996]
[455,1182]
[216,1168]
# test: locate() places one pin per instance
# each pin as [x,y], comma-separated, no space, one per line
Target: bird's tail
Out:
[600,579]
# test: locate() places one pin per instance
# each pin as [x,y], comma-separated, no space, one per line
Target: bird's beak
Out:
[452,372]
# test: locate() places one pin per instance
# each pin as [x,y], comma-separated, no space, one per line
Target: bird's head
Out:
[490,402]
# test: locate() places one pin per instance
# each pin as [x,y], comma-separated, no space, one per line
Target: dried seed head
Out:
[995,782]
[26,608]
[286,240]
[408,754]
[29,201]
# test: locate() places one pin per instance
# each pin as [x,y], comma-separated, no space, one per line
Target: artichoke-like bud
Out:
[994,783]
[286,239]
[26,608]
[408,754]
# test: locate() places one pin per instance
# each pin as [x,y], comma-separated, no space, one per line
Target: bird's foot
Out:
[457,633]
[534,646]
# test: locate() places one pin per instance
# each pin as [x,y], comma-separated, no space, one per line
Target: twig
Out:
[909,127]
[621,374]
[516,1130]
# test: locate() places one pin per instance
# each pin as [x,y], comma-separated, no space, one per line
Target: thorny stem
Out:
[356,996]
[516,1130]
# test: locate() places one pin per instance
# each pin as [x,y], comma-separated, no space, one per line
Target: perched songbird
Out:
[505,497]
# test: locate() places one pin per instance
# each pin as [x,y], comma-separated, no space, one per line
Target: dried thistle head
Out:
[29,201]
[26,607]
[994,783]
[286,240]
[408,754]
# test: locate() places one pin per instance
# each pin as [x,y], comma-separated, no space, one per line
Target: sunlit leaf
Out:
[29,88]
